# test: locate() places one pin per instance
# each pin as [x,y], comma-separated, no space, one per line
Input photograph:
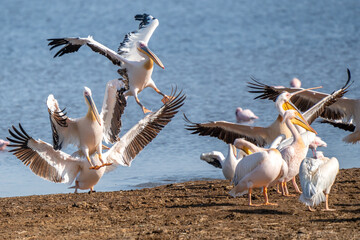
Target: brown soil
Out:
[191,210]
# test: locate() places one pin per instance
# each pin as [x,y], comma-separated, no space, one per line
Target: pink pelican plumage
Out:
[244,115]
[295,83]
[3,144]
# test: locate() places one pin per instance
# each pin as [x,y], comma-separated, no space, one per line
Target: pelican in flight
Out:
[244,115]
[60,167]
[227,164]
[261,136]
[344,109]
[89,131]
[135,59]
[317,175]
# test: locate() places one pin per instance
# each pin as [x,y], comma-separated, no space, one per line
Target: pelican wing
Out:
[326,174]
[43,160]
[147,26]
[139,136]
[228,131]
[339,124]
[113,107]
[305,100]
[70,45]
[64,130]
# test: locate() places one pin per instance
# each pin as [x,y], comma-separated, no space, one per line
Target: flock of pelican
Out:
[289,137]
[88,164]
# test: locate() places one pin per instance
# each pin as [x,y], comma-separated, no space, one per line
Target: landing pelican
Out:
[88,132]
[60,167]
[344,108]
[317,175]
[261,136]
[134,57]
[227,164]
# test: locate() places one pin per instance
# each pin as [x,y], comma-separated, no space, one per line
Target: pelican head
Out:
[143,48]
[90,102]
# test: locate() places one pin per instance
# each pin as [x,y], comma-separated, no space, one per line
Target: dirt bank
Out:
[191,210]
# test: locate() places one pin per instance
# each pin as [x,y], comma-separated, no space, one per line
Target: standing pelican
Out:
[135,59]
[244,115]
[260,169]
[344,108]
[60,167]
[227,164]
[317,175]
[89,131]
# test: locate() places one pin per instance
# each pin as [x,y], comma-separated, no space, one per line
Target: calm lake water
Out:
[209,49]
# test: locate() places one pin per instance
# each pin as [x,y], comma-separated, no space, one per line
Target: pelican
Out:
[318,142]
[135,59]
[3,144]
[262,136]
[89,131]
[227,164]
[344,109]
[261,169]
[60,167]
[244,115]
[295,83]
[317,175]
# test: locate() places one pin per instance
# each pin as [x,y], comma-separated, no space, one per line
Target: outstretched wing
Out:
[147,26]
[64,130]
[113,107]
[228,131]
[139,136]
[70,45]
[339,124]
[43,160]
[305,100]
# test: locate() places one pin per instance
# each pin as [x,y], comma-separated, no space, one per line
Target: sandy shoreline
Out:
[190,210]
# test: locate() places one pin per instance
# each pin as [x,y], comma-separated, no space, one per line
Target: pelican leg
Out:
[250,203]
[76,186]
[267,198]
[96,167]
[165,97]
[327,204]
[145,110]
[296,186]
[91,190]
[278,188]
[102,161]
[311,209]
[105,147]
[286,191]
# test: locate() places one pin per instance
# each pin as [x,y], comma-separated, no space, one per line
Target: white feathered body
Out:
[316,177]
[257,170]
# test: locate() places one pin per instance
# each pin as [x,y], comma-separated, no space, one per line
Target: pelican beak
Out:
[299,119]
[234,150]
[246,150]
[93,108]
[151,55]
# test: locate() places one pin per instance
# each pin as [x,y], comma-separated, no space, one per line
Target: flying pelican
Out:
[60,167]
[227,164]
[134,57]
[261,136]
[295,83]
[344,108]
[318,142]
[244,115]
[262,168]
[3,144]
[317,175]
[89,131]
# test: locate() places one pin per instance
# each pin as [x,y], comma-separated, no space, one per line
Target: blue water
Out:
[209,48]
